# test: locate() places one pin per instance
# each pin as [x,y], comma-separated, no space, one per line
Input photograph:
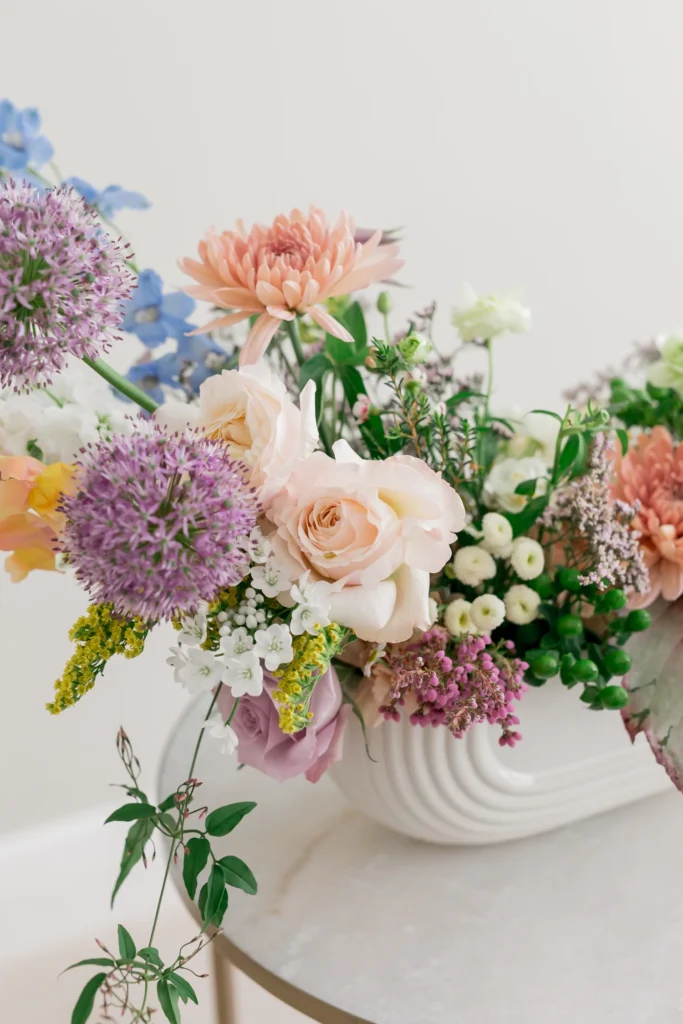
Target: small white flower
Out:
[482,317]
[177,660]
[527,558]
[487,612]
[667,372]
[473,565]
[237,643]
[271,578]
[274,646]
[201,672]
[457,617]
[193,630]
[224,734]
[521,604]
[505,477]
[373,657]
[244,675]
[312,611]
[260,547]
[497,534]
[433,611]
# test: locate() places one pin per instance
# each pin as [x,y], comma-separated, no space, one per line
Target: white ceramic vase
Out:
[571,764]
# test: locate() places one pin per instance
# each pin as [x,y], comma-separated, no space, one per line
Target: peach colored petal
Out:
[20,563]
[281,312]
[259,339]
[328,323]
[221,321]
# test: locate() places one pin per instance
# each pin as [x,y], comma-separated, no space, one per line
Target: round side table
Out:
[353,923]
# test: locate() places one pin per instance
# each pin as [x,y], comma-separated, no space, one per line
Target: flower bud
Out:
[384,303]
[414,349]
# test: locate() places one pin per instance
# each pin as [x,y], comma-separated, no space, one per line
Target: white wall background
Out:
[521,143]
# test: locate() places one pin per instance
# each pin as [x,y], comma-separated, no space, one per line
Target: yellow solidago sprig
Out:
[297,680]
[99,635]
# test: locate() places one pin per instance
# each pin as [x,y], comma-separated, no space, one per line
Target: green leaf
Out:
[95,961]
[548,412]
[522,521]
[316,369]
[221,908]
[372,430]
[132,812]
[571,455]
[86,1000]
[623,440]
[462,396]
[34,450]
[185,990]
[354,321]
[168,1001]
[223,820]
[126,945]
[151,955]
[527,486]
[238,875]
[344,353]
[138,836]
[195,861]
[168,804]
[214,896]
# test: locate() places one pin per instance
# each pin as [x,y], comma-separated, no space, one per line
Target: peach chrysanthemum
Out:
[650,476]
[290,267]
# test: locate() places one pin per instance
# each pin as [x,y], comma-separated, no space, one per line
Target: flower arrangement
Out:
[335,523]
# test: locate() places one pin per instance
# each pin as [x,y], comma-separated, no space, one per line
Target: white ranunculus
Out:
[521,604]
[473,565]
[457,617]
[535,433]
[505,477]
[482,317]
[487,612]
[527,558]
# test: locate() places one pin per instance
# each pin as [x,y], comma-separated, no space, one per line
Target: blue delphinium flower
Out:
[185,369]
[153,316]
[21,143]
[110,199]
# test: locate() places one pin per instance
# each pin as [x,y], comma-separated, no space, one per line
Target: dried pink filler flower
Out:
[158,523]
[476,683]
[291,267]
[63,282]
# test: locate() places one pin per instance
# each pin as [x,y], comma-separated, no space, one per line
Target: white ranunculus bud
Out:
[457,617]
[488,612]
[527,558]
[521,604]
[505,477]
[473,565]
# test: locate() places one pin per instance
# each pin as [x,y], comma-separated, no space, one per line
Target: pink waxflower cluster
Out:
[456,684]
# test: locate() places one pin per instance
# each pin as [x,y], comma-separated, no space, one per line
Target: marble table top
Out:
[581,924]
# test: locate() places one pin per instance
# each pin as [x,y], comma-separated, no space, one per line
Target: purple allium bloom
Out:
[63,283]
[159,523]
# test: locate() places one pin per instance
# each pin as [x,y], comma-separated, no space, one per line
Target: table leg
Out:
[224,987]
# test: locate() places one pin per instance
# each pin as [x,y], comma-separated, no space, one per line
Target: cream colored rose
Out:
[250,411]
[374,530]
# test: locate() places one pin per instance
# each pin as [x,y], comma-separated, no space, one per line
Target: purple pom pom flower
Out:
[159,523]
[63,283]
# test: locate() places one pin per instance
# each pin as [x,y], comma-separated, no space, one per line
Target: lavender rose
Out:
[262,745]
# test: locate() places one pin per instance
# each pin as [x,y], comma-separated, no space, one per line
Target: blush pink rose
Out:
[374,530]
[250,411]
[264,746]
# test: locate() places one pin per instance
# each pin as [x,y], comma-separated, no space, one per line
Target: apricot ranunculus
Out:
[374,530]
[250,411]
[29,519]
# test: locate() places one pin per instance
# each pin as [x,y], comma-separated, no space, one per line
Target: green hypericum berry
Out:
[569,625]
[585,670]
[611,601]
[384,303]
[544,666]
[543,586]
[613,697]
[569,579]
[637,620]
[616,661]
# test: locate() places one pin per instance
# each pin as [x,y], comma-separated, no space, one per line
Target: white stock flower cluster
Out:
[475,564]
[249,642]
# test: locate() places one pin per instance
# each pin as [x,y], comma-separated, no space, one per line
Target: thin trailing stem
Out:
[126,387]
